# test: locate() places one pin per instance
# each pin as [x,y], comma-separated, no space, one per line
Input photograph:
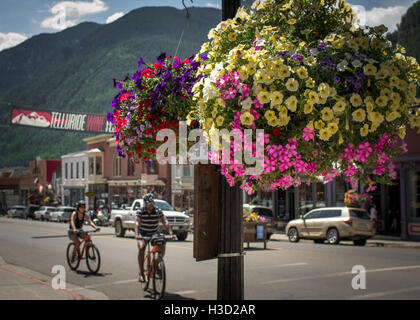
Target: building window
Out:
[414,195]
[77,170]
[91,165]
[66,169]
[187,170]
[71,170]
[153,167]
[98,166]
[341,187]
[83,169]
[178,171]
[130,167]
[117,166]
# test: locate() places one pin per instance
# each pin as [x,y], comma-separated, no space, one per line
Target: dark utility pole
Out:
[230,275]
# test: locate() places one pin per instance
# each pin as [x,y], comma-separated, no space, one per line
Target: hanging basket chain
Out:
[187,15]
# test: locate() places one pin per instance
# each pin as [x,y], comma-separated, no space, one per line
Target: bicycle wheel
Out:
[159,278]
[76,261]
[93,258]
[145,285]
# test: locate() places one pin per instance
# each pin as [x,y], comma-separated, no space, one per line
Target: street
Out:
[285,270]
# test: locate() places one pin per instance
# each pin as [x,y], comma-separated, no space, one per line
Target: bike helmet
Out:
[148,198]
[81,203]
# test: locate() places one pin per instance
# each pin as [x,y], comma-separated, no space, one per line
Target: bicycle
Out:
[155,266]
[89,252]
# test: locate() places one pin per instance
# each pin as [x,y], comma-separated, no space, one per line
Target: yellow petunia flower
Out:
[359,115]
[340,107]
[392,116]
[332,128]
[319,125]
[324,134]
[370,70]
[327,114]
[247,119]
[364,131]
[291,103]
[381,101]
[302,73]
[313,97]
[276,98]
[292,85]
[219,121]
[356,100]
[263,97]
[308,108]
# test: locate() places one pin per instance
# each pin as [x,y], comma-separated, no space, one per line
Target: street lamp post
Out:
[230,275]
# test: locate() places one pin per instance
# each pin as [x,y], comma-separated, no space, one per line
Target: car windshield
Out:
[68,210]
[263,212]
[361,214]
[162,205]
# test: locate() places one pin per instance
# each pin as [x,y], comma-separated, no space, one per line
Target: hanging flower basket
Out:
[156,97]
[333,99]
[356,200]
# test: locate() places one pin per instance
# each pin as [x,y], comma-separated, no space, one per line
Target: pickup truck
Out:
[124,219]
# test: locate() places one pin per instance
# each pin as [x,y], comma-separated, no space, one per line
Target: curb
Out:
[370,243]
[39,278]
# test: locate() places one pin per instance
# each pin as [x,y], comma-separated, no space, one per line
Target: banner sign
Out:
[66,121]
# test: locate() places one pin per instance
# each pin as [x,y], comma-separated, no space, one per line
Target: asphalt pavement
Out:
[30,250]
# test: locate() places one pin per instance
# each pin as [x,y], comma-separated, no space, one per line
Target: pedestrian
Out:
[373,215]
[394,219]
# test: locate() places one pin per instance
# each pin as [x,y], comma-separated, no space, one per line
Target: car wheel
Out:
[333,237]
[359,242]
[119,230]
[319,241]
[42,218]
[293,235]
[182,236]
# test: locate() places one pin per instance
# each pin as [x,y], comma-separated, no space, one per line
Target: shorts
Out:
[146,234]
[81,234]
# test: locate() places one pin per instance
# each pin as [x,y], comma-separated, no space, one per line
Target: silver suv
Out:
[332,224]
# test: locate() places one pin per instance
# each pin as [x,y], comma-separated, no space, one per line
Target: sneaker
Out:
[142,278]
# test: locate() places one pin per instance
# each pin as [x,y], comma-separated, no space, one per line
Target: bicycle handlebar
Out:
[89,231]
[160,236]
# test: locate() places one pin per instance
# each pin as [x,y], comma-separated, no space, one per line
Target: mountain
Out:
[74,70]
[408,31]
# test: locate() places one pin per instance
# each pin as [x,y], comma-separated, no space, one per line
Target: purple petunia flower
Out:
[110,117]
[141,62]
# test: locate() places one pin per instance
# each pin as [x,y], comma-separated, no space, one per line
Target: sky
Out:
[22,19]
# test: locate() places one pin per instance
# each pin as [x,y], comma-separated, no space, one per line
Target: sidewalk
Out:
[376,241]
[18,283]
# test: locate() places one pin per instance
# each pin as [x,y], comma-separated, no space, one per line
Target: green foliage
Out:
[74,70]
[408,32]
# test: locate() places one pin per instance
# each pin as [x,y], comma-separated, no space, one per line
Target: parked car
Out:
[16,212]
[30,210]
[265,212]
[62,214]
[332,224]
[44,213]
[124,219]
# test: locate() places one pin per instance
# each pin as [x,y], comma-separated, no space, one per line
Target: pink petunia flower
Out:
[308,134]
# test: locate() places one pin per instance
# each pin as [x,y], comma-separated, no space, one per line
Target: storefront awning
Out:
[124,182]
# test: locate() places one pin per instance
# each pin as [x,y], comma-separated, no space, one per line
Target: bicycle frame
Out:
[85,241]
[149,254]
